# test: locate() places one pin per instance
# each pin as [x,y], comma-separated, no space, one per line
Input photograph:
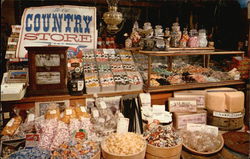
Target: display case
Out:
[178,76]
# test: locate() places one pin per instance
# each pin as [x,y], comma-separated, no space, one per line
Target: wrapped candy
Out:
[34,153]
[47,130]
[79,150]
[162,136]
[68,114]
[61,135]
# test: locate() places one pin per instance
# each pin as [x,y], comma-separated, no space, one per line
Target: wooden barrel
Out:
[139,155]
[173,152]
[225,121]
[97,155]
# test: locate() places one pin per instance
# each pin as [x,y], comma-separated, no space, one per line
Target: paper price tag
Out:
[95,114]
[52,112]
[68,111]
[103,105]
[83,109]
[31,117]
[11,122]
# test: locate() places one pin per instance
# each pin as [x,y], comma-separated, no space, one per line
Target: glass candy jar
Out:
[158,31]
[202,38]
[184,39]
[193,39]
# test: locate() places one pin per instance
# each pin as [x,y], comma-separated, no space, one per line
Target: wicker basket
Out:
[139,155]
[154,152]
[225,121]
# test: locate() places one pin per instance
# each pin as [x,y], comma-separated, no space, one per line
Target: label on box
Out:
[182,105]
[11,122]
[68,111]
[200,98]
[228,115]
[32,140]
[52,112]
[197,118]
[83,109]
[203,128]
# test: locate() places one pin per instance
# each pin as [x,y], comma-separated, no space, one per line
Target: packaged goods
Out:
[179,104]
[81,112]
[198,95]
[181,119]
[68,114]
[53,112]
[12,126]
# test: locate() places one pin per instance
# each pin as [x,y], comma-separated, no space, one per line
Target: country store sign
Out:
[66,25]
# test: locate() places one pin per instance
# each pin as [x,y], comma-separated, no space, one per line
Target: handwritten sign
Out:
[66,25]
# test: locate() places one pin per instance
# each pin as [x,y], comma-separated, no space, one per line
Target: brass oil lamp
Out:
[112,18]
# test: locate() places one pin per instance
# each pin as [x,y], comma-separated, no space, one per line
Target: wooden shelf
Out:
[187,52]
[69,97]
[192,86]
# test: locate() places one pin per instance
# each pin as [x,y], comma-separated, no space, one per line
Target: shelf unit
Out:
[206,53]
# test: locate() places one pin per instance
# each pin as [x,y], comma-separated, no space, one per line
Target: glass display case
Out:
[183,68]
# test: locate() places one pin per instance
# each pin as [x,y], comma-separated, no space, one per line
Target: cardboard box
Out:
[178,104]
[181,119]
[198,95]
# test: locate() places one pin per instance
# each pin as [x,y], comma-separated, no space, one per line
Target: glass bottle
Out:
[193,39]
[202,38]
[76,84]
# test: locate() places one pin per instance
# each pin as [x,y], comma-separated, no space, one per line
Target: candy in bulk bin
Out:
[34,153]
[124,146]
[163,142]
[77,149]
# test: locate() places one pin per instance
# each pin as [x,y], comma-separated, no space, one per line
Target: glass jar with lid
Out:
[202,38]
[193,39]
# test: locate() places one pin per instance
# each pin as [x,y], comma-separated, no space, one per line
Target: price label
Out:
[83,109]
[103,105]
[52,112]
[31,117]
[11,122]
[68,111]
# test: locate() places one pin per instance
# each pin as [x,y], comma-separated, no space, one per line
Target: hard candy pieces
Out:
[162,136]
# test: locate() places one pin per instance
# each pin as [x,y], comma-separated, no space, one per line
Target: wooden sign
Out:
[47,70]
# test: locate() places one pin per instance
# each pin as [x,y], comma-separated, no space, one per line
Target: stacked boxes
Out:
[188,107]
[13,42]
[113,69]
